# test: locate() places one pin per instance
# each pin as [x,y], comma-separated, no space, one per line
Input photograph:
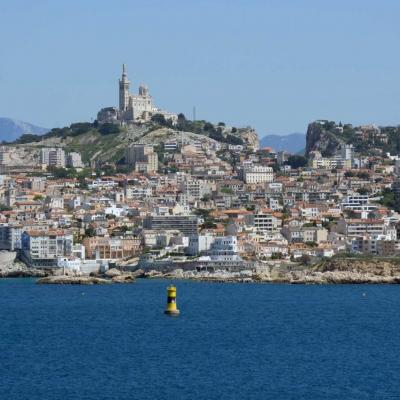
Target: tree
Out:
[159,118]
[276,256]
[206,197]
[90,231]
[28,138]
[363,175]
[4,207]
[305,259]
[109,129]
[362,191]
[58,173]
[296,161]
[208,127]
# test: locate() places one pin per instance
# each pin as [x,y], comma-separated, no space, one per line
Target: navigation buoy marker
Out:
[171,301]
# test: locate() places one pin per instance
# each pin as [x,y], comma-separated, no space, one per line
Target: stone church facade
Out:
[133,108]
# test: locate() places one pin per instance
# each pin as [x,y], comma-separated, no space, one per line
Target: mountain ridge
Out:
[292,143]
[11,129]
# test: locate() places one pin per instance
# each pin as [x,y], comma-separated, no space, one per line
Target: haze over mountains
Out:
[293,143]
[11,129]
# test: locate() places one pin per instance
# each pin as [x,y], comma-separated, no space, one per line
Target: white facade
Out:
[52,157]
[138,107]
[74,160]
[257,174]
[224,248]
[199,243]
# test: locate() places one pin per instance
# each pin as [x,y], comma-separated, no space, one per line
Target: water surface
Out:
[231,341]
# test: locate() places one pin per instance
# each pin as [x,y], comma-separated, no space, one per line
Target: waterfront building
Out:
[42,248]
[111,248]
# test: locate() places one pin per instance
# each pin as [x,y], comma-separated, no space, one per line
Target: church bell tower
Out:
[123,90]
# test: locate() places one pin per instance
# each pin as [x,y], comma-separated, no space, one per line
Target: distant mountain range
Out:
[293,143]
[11,129]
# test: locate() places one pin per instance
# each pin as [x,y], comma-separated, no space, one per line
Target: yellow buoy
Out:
[171,301]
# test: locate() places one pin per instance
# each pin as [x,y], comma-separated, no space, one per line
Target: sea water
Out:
[231,341]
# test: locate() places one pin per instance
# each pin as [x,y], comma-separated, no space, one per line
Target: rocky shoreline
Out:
[335,271]
[111,276]
[10,267]
[338,271]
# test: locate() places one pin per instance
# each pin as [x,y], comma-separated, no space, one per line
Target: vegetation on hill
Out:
[219,133]
[73,130]
[390,200]
[328,136]
[100,144]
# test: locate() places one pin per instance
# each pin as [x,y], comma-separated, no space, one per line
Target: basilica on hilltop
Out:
[133,108]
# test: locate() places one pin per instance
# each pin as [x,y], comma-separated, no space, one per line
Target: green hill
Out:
[107,142]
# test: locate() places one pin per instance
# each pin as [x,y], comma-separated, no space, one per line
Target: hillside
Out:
[292,143]
[107,142]
[11,129]
[328,136]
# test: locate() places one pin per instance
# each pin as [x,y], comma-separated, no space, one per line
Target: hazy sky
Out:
[275,65]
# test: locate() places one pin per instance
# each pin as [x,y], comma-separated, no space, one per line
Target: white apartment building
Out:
[199,244]
[197,188]
[265,223]
[52,157]
[74,160]
[4,155]
[42,249]
[360,227]
[224,248]
[257,173]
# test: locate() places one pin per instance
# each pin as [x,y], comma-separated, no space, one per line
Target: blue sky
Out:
[274,65]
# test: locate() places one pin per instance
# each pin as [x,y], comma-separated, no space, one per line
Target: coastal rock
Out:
[113,272]
[123,278]
[73,280]
[139,273]
[153,274]
[10,267]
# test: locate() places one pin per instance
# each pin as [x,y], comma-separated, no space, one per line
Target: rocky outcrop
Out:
[369,266]
[338,271]
[319,138]
[73,280]
[112,273]
[111,276]
[10,267]
[250,138]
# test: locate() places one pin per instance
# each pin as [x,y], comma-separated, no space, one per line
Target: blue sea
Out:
[231,341]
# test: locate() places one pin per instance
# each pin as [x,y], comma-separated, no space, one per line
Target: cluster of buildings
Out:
[194,202]
[207,205]
[13,157]
[57,157]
